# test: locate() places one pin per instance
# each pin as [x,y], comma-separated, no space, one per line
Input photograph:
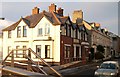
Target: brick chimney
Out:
[78,14]
[60,11]
[35,10]
[52,8]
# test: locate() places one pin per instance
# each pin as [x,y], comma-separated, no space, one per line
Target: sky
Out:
[104,12]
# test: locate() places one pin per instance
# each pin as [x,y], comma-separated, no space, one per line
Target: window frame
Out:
[17,47]
[24,51]
[39,51]
[47,53]
[9,34]
[24,31]
[19,31]
[40,34]
[47,29]
[77,51]
[67,51]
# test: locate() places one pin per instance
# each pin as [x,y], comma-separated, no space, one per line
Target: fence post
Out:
[29,62]
[12,59]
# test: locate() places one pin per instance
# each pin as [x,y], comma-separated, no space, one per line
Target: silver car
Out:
[108,69]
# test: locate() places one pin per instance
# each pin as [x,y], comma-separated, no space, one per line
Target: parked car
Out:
[108,68]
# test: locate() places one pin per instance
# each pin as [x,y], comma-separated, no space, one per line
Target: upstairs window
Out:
[64,30]
[80,35]
[24,31]
[40,31]
[47,29]
[9,34]
[86,37]
[19,31]
[68,31]
[76,33]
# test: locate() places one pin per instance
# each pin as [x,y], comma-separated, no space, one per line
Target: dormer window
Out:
[24,31]
[9,34]
[19,31]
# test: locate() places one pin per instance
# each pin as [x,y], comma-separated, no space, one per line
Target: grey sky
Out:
[105,13]
[60,0]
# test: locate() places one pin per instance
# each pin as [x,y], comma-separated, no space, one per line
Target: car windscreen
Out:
[108,66]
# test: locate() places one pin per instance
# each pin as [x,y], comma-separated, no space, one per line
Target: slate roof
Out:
[33,20]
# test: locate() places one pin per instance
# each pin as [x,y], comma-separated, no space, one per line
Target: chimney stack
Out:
[52,8]
[35,10]
[78,14]
[60,11]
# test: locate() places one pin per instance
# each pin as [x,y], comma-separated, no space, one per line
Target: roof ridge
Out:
[64,16]
[13,26]
[27,23]
[56,18]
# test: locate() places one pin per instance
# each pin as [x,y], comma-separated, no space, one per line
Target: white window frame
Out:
[24,31]
[40,34]
[47,29]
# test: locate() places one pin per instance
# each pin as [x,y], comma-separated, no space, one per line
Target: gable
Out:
[43,21]
[87,25]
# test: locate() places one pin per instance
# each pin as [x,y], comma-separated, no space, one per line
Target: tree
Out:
[100,48]
[99,54]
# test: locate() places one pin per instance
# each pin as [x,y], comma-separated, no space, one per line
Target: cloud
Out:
[5,23]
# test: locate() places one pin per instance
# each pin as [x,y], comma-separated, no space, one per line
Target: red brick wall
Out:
[65,40]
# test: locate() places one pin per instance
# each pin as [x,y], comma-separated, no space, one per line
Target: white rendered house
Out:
[39,31]
[51,35]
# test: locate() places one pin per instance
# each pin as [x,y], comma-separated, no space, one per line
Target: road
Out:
[82,71]
[85,71]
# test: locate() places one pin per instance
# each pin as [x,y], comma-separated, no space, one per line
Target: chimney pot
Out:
[35,10]
[52,8]
[60,11]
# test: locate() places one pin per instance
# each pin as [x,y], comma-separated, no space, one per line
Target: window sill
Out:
[47,58]
[42,58]
[67,58]
[39,35]
[25,36]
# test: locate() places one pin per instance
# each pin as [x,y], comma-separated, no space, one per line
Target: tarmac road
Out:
[87,72]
